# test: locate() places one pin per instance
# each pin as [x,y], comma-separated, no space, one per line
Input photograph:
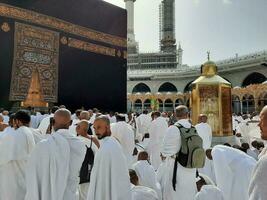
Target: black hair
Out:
[120,118]
[54,109]
[145,112]
[23,116]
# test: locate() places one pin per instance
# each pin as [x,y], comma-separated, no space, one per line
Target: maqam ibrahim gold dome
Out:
[209,75]
[209,68]
[211,95]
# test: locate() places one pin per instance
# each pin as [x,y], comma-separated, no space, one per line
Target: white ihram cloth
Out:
[156,131]
[209,192]
[208,170]
[72,128]
[147,176]
[15,149]
[205,132]
[53,168]
[258,183]
[143,193]
[186,178]
[37,135]
[143,122]
[233,170]
[125,135]
[7,130]
[43,126]
[110,177]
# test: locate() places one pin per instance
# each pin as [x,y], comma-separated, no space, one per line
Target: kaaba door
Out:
[34,79]
[35,96]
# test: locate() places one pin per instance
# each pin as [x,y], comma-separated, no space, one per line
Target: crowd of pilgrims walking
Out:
[90,155]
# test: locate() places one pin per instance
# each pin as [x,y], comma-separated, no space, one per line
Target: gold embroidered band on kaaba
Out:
[55,23]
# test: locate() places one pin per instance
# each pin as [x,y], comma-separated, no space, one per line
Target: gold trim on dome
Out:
[55,23]
[86,46]
[5,27]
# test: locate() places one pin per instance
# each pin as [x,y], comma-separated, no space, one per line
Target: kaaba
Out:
[70,52]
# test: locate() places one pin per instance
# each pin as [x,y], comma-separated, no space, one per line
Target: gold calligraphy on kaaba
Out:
[36,51]
[86,46]
[52,22]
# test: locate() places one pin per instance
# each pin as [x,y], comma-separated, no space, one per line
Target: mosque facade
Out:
[164,77]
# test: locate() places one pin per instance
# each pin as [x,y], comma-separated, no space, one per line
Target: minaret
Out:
[168,41]
[180,55]
[132,45]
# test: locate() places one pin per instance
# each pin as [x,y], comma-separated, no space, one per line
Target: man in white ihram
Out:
[53,167]
[156,133]
[143,122]
[44,124]
[258,183]
[146,173]
[16,145]
[125,135]
[185,178]
[109,178]
[205,132]
[233,169]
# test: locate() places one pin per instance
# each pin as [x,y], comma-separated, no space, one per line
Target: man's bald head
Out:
[62,119]
[263,111]
[84,115]
[263,123]
[143,155]
[82,128]
[182,112]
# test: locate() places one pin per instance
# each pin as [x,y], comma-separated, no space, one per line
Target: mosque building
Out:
[162,75]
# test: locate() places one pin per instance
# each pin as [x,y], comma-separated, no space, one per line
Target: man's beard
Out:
[100,137]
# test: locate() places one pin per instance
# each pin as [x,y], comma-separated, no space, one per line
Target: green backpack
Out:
[191,154]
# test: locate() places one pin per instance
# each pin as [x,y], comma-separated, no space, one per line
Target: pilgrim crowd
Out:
[93,155]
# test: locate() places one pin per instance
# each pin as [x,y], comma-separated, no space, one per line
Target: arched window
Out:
[253,78]
[248,104]
[167,87]
[147,105]
[138,105]
[141,87]
[188,87]
[168,105]
[160,105]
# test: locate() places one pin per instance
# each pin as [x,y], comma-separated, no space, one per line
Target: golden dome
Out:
[209,68]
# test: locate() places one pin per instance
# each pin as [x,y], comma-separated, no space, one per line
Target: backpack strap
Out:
[91,143]
[179,126]
[175,173]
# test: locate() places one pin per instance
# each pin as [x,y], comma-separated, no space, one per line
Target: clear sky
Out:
[225,27]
